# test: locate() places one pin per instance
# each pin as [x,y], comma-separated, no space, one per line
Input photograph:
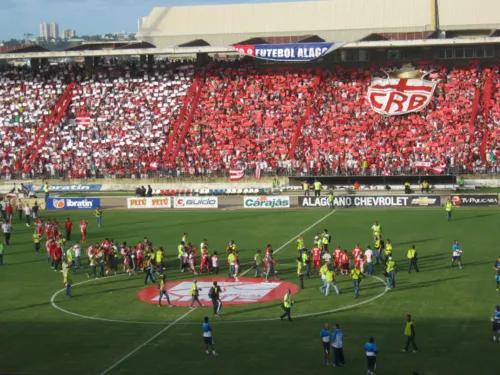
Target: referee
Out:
[214,294]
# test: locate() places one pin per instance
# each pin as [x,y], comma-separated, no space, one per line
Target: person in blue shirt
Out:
[325,343]
[496,324]
[496,267]
[371,355]
[207,337]
[457,254]
[338,346]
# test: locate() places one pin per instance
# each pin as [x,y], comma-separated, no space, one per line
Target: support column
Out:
[89,63]
[35,65]
[151,61]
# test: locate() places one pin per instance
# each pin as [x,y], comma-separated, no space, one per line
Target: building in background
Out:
[49,31]
[140,22]
[68,34]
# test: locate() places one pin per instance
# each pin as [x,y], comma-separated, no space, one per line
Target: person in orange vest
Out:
[345,263]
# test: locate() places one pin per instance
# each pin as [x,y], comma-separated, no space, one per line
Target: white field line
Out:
[294,238]
[147,342]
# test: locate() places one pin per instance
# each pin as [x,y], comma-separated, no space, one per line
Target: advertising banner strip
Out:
[62,188]
[164,202]
[72,203]
[474,199]
[348,201]
[287,52]
[196,202]
[266,202]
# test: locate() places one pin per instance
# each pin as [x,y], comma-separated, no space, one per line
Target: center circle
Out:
[243,292]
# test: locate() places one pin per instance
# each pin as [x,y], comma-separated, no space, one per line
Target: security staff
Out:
[257,263]
[36,239]
[330,281]
[305,186]
[306,262]
[287,305]
[98,215]
[390,273]
[407,188]
[330,201]
[300,272]
[195,294]
[356,280]
[425,187]
[412,259]
[180,255]
[214,294]
[46,190]
[159,260]
[387,251]
[317,188]
[448,206]
[410,334]
[276,183]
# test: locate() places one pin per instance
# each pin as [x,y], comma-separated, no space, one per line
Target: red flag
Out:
[484,143]
[83,120]
[236,174]
[473,115]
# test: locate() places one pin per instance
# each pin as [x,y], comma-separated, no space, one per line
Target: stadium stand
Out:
[178,120]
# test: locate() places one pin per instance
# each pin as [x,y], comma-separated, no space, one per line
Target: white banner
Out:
[196,202]
[164,202]
[266,202]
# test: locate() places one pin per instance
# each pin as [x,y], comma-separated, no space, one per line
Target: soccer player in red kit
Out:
[204,260]
[337,253]
[48,229]
[344,259]
[357,255]
[316,254]
[83,229]
[68,225]
[55,228]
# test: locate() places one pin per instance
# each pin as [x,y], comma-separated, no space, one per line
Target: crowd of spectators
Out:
[122,115]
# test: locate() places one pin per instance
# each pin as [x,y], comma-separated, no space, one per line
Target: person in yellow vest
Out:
[322,271]
[231,247]
[300,272]
[410,335]
[36,240]
[287,305]
[231,260]
[330,281]
[356,280]
[425,187]
[257,263]
[412,259]
[306,263]
[390,273]
[46,190]
[331,200]
[317,188]
[98,216]
[448,207]
[305,186]
[180,255]
[159,260]
[195,294]
[300,244]
[66,269]
[387,251]
[407,188]
[376,230]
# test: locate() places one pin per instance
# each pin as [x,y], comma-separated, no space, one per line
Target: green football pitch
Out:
[105,329]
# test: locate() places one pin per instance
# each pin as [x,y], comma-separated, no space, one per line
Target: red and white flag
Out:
[434,168]
[257,173]
[236,174]
[83,120]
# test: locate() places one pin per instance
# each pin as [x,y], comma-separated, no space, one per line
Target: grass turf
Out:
[451,307]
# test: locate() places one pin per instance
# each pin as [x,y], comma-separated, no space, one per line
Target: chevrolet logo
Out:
[423,201]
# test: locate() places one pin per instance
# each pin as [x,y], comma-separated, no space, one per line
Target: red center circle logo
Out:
[245,291]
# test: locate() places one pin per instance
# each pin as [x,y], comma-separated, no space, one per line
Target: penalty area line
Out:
[147,342]
[293,238]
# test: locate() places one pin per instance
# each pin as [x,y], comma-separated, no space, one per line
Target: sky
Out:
[87,17]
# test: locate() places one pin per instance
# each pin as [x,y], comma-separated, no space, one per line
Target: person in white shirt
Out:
[78,253]
[27,213]
[7,229]
[369,260]
[20,208]
[327,257]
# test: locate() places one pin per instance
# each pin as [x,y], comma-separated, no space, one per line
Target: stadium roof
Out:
[331,20]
